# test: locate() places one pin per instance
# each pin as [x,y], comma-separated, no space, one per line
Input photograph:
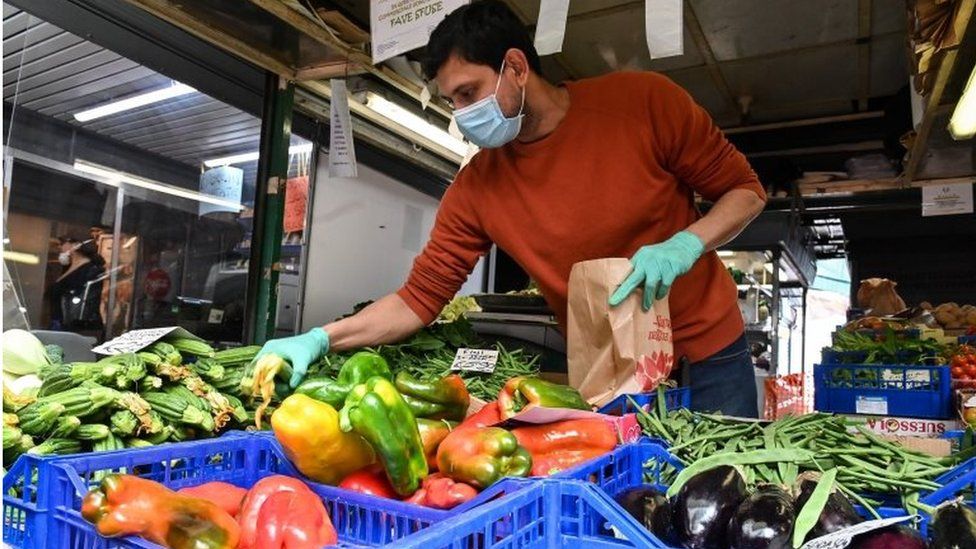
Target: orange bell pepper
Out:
[126,505]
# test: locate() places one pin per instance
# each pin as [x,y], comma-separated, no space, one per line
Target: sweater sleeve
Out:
[456,243]
[694,148]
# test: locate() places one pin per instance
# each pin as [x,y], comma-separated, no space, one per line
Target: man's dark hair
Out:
[480,33]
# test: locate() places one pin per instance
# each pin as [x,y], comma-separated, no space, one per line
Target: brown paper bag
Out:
[614,350]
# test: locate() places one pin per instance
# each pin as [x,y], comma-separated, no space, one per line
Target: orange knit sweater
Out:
[618,172]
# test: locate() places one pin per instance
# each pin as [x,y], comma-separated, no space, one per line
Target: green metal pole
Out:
[269,210]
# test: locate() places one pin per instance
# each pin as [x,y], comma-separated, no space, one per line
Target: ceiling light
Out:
[21,257]
[414,123]
[962,125]
[115,177]
[134,102]
[304,148]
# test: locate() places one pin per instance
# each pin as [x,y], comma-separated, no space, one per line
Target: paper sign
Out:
[947,199]
[135,340]
[539,414]
[664,26]
[475,360]
[216,316]
[871,405]
[398,26]
[342,153]
[424,97]
[842,538]
[551,26]
[296,202]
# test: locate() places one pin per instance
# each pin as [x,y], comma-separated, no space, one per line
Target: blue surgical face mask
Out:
[484,123]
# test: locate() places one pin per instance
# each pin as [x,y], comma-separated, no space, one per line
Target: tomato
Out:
[958,361]
[957,372]
[970,370]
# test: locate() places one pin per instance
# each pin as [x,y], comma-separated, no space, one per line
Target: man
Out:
[603,167]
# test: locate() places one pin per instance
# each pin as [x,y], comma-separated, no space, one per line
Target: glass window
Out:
[130,199]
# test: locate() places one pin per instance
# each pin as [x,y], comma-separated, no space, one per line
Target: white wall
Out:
[364,235]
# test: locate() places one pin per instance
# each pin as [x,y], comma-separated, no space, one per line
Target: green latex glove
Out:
[300,351]
[656,266]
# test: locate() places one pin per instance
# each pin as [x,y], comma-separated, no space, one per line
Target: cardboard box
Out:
[907,426]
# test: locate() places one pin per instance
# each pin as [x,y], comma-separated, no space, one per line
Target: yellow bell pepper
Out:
[308,430]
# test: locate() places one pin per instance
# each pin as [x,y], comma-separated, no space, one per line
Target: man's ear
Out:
[519,63]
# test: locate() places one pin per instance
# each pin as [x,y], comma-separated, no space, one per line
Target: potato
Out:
[925,305]
[970,319]
[944,317]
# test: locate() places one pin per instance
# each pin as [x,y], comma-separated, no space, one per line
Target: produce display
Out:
[176,389]
[779,484]
[952,316]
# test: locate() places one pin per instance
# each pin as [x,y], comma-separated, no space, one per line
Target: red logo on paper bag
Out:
[653,369]
[157,283]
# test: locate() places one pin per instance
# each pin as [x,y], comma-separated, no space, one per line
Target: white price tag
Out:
[216,316]
[551,26]
[134,340]
[475,360]
[871,405]
[842,538]
[342,152]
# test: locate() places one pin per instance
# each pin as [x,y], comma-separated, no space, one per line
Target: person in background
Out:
[597,168]
[72,307]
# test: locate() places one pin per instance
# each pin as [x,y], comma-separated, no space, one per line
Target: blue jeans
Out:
[725,382]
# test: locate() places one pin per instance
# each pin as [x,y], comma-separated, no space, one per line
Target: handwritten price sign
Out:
[475,360]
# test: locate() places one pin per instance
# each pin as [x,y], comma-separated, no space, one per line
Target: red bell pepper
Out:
[227,496]
[487,416]
[251,525]
[440,492]
[294,520]
[565,444]
[369,480]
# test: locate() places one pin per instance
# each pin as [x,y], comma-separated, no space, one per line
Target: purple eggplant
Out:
[764,520]
[651,508]
[896,536]
[953,526]
[704,505]
[838,513]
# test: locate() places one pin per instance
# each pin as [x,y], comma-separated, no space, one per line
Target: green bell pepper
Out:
[378,413]
[482,456]
[445,398]
[357,369]
[523,393]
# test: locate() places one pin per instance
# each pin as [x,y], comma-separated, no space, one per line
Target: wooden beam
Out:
[946,66]
[863,53]
[855,186]
[325,71]
[711,64]
[306,26]
[172,12]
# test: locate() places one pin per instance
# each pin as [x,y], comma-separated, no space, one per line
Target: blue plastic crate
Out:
[47,513]
[674,398]
[882,389]
[829,356]
[967,340]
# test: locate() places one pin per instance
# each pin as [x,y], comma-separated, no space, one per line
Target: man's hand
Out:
[300,351]
[657,266]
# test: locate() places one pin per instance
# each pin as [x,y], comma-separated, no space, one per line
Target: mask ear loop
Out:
[499,82]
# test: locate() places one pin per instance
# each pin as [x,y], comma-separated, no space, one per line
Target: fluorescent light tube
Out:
[726,253]
[962,125]
[414,123]
[21,257]
[134,102]
[304,148]
[117,177]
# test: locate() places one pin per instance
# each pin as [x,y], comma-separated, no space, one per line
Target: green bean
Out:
[808,516]
[747,458]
